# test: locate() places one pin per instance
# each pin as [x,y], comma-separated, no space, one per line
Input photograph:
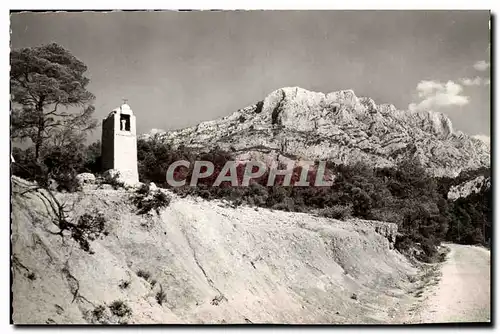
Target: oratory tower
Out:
[119,143]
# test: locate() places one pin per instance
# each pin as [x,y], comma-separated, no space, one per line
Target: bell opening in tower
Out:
[124,122]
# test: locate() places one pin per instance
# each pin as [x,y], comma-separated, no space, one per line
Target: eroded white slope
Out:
[215,263]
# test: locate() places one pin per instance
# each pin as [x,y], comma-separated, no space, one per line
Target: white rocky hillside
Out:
[469,187]
[208,262]
[296,123]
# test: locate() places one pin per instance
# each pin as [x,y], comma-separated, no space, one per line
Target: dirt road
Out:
[463,293]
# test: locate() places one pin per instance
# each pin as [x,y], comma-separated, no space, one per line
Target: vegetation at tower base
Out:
[60,163]
[52,110]
[405,195]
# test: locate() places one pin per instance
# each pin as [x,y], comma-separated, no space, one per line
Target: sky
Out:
[177,69]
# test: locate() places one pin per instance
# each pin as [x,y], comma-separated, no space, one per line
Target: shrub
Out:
[429,251]
[61,163]
[98,312]
[144,274]
[146,200]
[403,243]
[161,297]
[143,190]
[67,181]
[124,284]
[64,162]
[362,203]
[120,309]
[92,158]
[154,157]
[471,218]
[387,214]
[88,228]
[113,178]
[341,212]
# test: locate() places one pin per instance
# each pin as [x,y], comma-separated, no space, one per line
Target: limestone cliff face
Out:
[296,123]
[470,187]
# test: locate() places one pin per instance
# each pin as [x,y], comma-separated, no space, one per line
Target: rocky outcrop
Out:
[295,123]
[470,187]
[387,230]
[85,178]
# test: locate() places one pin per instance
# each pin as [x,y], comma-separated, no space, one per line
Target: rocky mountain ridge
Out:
[294,123]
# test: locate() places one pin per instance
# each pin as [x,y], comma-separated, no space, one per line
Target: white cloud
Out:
[482,65]
[471,81]
[477,81]
[483,138]
[435,94]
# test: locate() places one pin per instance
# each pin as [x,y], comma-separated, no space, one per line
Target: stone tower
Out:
[119,143]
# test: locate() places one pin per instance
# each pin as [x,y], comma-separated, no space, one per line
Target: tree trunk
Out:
[41,128]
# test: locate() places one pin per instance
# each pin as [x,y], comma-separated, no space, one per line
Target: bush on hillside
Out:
[88,228]
[120,309]
[60,163]
[147,199]
[341,212]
